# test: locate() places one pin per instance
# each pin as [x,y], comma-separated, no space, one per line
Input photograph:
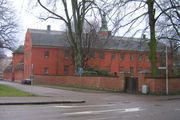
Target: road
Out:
[98,106]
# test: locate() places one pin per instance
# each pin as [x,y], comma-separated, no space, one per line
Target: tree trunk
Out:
[153,42]
[78,59]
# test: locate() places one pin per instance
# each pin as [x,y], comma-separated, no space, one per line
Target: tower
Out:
[104,29]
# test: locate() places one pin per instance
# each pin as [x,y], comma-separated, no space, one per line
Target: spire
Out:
[103,23]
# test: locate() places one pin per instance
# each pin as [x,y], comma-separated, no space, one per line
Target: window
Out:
[66,70]
[131,70]
[45,70]
[92,54]
[113,55]
[140,58]
[66,53]
[131,57]
[147,57]
[121,57]
[121,69]
[46,54]
[140,69]
[101,55]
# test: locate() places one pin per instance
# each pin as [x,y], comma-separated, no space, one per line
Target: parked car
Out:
[27,81]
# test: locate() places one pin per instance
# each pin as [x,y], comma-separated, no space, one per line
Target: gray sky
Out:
[28,18]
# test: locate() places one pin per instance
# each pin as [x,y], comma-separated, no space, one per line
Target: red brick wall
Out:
[7,76]
[109,83]
[27,55]
[158,85]
[114,65]
[19,76]
[17,57]
[56,61]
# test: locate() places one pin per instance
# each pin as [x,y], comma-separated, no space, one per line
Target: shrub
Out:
[96,72]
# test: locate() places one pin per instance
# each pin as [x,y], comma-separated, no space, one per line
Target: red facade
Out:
[46,59]
[14,72]
[40,60]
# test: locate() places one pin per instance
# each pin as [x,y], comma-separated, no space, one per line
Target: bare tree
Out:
[74,17]
[132,13]
[2,54]
[8,25]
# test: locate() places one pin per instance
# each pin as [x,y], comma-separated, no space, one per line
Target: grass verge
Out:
[7,91]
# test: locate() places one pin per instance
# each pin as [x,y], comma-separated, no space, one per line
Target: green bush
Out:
[96,72]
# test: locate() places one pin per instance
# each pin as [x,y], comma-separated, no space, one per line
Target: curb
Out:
[42,103]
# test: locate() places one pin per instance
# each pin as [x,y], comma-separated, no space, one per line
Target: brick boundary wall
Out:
[158,85]
[105,83]
[7,76]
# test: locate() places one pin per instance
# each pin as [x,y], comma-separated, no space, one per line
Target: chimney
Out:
[48,28]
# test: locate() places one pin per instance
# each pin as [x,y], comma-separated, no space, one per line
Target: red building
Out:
[14,71]
[47,52]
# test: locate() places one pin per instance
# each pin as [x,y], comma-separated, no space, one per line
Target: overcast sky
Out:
[28,18]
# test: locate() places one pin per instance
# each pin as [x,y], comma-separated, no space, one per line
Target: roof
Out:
[59,39]
[48,38]
[20,49]
[128,44]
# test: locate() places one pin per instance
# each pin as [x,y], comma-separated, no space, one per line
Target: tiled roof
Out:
[59,39]
[20,49]
[48,38]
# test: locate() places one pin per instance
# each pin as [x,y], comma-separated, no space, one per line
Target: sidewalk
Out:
[45,96]
[35,100]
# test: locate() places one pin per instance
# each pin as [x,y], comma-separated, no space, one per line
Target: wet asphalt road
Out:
[98,106]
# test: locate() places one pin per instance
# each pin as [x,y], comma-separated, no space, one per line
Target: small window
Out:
[101,55]
[131,57]
[131,70]
[121,57]
[140,58]
[66,53]
[46,54]
[46,71]
[92,54]
[113,55]
[66,70]
[140,69]
[148,60]
[121,69]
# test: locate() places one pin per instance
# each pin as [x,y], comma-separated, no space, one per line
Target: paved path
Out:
[51,94]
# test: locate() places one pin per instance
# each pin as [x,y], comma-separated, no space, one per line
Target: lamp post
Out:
[166,68]
[167,81]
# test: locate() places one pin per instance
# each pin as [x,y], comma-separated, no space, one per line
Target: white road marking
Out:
[178,109]
[107,118]
[104,111]
[84,106]
[133,110]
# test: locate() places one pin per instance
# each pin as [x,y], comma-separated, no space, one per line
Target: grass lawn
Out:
[10,91]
